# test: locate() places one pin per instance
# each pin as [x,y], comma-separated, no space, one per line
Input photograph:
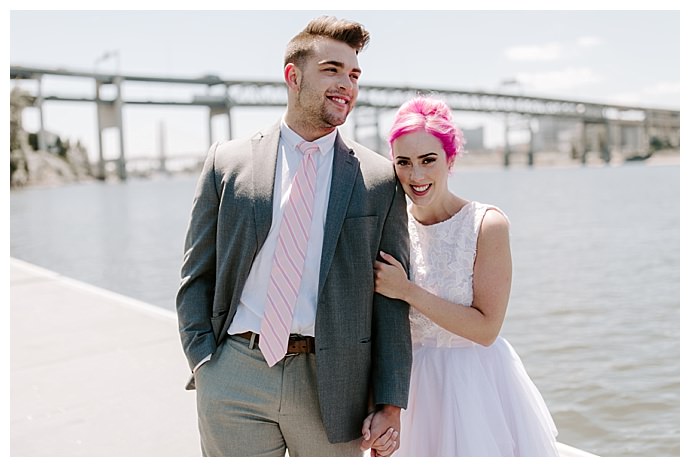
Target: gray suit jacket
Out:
[363,348]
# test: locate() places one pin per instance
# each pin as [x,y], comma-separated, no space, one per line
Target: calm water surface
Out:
[595,305]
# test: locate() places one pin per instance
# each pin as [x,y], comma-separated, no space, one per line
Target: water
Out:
[595,305]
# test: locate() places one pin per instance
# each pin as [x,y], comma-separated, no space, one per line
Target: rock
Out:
[62,163]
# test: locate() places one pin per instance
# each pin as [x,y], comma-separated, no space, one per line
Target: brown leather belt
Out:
[296,343]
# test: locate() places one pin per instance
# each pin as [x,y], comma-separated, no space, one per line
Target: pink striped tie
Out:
[288,261]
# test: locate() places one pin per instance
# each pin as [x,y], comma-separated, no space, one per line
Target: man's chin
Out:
[335,119]
[334,122]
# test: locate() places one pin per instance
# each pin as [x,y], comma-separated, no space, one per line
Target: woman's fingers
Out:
[366,426]
[387,443]
[390,259]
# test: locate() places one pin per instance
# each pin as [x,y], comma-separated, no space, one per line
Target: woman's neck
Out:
[439,212]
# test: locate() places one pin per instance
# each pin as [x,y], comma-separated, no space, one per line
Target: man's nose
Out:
[346,83]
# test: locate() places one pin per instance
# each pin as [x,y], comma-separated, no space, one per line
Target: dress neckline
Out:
[457,214]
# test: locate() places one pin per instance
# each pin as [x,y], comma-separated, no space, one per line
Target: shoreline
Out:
[494,159]
[484,160]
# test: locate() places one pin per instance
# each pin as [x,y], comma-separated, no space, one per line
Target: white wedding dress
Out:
[465,399]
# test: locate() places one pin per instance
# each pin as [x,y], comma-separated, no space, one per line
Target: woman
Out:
[469,392]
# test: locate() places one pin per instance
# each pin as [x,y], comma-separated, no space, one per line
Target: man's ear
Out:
[292,76]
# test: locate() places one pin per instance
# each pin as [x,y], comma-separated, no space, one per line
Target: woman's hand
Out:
[390,278]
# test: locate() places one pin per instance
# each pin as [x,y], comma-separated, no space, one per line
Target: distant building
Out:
[562,135]
[554,134]
[474,138]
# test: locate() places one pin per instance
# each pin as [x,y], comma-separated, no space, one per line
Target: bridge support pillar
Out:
[162,167]
[41,136]
[210,127]
[606,144]
[223,109]
[99,120]
[121,163]
[583,154]
[229,111]
[367,118]
[530,150]
[506,143]
[109,115]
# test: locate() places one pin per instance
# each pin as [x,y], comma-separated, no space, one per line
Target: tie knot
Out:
[307,148]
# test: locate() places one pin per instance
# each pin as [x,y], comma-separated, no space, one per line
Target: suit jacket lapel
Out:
[264,156]
[345,168]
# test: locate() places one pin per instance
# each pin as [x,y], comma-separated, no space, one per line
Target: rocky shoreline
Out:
[60,162]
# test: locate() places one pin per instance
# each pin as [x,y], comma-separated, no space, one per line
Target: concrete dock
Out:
[95,373]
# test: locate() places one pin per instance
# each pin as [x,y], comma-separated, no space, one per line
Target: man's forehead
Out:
[328,50]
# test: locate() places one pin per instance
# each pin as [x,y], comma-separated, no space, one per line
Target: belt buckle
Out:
[252,340]
[291,336]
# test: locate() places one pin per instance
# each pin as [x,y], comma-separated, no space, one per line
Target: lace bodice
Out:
[442,261]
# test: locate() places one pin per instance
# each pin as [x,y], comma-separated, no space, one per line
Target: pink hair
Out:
[432,116]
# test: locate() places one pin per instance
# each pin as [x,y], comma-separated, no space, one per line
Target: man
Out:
[289,346]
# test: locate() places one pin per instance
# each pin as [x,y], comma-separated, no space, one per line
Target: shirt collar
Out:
[292,139]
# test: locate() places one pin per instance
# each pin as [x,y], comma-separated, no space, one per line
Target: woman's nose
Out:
[416,173]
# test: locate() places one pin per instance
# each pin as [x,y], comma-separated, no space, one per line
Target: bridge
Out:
[222,96]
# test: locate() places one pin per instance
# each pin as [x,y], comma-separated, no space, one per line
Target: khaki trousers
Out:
[246,408]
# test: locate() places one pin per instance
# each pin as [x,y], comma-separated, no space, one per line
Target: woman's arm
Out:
[480,322]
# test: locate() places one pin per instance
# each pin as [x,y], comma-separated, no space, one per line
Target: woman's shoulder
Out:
[495,219]
[489,212]
[488,218]
[493,226]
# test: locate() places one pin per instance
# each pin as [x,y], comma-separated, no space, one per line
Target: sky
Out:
[628,57]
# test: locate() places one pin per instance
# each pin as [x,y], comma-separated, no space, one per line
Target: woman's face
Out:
[422,168]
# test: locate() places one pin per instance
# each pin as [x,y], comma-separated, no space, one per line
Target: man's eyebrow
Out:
[338,64]
[332,62]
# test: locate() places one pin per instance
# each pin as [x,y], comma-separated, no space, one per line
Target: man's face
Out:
[327,85]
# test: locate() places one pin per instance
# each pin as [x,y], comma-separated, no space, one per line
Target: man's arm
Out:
[195,295]
[392,347]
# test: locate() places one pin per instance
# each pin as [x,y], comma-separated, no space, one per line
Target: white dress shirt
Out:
[250,310]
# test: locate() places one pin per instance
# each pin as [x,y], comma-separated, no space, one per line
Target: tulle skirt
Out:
[474,401]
